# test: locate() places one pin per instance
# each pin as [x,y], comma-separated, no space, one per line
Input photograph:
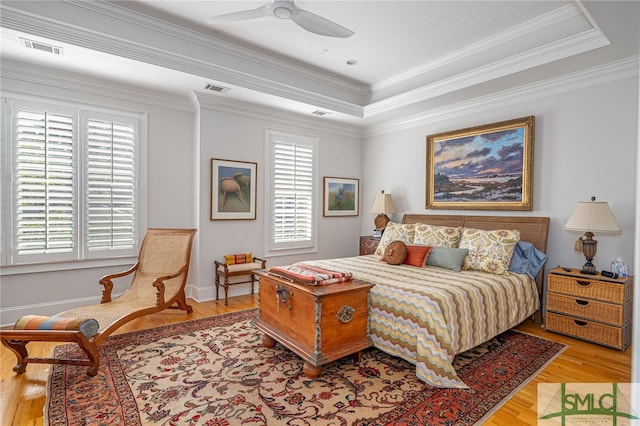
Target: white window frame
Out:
[298,247]
[80,256]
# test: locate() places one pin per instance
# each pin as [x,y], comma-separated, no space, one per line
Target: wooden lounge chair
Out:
[158,281]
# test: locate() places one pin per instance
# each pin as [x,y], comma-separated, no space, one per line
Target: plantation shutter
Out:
[70,185]
[291,180]
[111,184]
[44,183]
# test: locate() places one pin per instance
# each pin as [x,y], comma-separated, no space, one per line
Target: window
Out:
[72,192]
[291,188]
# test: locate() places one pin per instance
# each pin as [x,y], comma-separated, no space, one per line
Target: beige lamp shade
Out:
[594,216]
[588,217]
[382,204]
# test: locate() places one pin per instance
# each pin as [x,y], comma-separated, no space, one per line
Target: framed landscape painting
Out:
[341,196]
[233,189]
[487,167]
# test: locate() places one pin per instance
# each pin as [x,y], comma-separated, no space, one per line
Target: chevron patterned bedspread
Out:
[428,315]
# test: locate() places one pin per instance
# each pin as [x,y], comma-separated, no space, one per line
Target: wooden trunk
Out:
[318,323]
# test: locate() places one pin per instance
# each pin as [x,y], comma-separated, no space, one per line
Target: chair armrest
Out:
[107,282]
[263,261]
[158,283]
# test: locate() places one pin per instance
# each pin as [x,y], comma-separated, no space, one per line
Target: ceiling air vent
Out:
[44,47]
[215,88]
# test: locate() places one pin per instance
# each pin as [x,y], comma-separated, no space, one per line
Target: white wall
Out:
[239,135]
[181,142]
[585,144]
[171,199]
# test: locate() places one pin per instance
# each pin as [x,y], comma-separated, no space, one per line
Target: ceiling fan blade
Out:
[319,25]
[239,16]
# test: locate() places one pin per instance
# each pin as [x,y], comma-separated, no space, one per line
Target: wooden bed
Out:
[534,229]
[426,315]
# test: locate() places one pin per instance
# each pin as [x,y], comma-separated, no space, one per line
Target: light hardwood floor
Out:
[22,396]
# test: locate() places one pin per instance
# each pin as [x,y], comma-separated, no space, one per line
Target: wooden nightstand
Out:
[589,307]
[368,245]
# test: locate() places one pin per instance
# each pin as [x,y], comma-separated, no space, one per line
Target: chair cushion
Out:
[240,267]
[87,326]
[233,259]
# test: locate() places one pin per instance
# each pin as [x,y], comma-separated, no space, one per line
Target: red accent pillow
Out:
[417,255]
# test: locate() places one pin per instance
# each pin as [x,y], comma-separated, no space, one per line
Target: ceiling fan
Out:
[286,9]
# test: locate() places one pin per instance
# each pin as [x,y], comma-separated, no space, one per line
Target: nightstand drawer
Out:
[589,309]
[590,289]
[616,337]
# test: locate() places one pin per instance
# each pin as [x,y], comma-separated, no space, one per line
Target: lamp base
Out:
[589,247]
[589,271]
[381,221]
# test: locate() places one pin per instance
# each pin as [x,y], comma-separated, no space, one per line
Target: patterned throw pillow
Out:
[234,259]
[440,236]
[395,232]
[489,251]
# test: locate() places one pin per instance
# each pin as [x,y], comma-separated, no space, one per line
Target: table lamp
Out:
[588,217]
[382,204]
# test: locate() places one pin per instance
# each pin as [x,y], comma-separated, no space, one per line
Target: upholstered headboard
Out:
[532,229]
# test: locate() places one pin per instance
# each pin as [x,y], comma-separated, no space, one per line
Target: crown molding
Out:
[560,49]
[496,41]
[52,77]
[314,92]
[212,102]
[120,12]
[612,71]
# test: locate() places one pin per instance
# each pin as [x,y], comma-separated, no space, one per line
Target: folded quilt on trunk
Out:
[309,274]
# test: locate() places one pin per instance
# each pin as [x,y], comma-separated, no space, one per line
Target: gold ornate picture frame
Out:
[487,167]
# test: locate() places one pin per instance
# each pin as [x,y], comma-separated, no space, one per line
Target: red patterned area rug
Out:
[215,371]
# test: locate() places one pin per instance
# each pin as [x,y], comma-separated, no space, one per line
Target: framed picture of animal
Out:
[341,196]
[233,189]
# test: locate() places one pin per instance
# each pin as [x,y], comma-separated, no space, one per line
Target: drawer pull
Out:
[583,283]
[582,302]
[581,323]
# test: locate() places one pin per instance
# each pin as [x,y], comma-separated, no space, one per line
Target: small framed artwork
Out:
[341,196]
[233,189]
[487,167]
